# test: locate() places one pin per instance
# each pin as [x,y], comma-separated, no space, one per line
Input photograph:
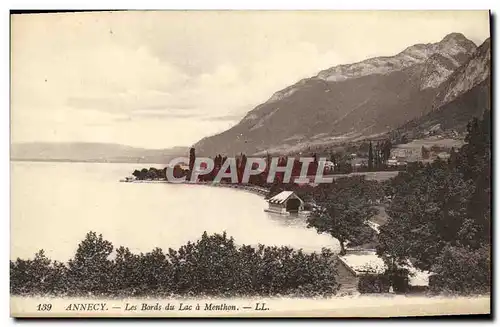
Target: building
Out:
[359,163]
[392,162]
[329,166]
[405,152]
[285,203]
[443,155]
[356,264]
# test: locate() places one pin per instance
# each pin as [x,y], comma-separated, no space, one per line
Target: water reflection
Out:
[292,220]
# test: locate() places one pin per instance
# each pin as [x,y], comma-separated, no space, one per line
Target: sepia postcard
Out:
[250,164]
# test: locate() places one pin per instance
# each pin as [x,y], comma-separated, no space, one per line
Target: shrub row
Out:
[211,266]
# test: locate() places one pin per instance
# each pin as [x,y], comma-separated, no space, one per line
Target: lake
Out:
[54,204]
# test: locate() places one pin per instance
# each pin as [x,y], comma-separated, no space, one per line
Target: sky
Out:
[169,78]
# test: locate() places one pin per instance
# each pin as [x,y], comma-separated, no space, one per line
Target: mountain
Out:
[347,102]
[92,152]
[472,73]
[464,95]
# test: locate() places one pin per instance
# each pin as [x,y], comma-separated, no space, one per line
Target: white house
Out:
[355,264]
[392,162]
[285,203]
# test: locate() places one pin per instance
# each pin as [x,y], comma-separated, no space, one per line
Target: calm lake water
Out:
[53,206]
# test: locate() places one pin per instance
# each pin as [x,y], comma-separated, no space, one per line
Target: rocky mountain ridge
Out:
[349,102]
[464,95]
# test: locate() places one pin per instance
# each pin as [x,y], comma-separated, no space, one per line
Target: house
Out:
[443,155]
[392,162]
[358,264]
[350,268]
[359,163]
[329,166]
[406,152]
[285,203]
[397,153]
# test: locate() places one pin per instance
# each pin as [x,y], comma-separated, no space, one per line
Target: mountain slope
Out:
[347,101]
[474,72]
[464,95]
[92,152]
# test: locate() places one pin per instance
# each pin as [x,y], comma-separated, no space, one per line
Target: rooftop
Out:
[363,262]
[281,197]
[367,262]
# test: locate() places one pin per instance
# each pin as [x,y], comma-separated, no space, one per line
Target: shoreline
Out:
[257,190]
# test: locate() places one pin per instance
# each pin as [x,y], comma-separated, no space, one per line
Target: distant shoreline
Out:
[84,161]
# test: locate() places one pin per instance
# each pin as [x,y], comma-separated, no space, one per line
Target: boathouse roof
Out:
[282,197]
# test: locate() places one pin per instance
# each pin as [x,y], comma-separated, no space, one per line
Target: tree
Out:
[440,216]
[386,150]
[425,153]
[126,271]
[39,276]
[453,157]
[240,166]
[475,156]
[474,162]
[342,209]
[90,271]
[334,160]
[425,214]
[370,157]
[192,158]
[212,266]
[276,188]
[459,270]
[155,273]
[178,171]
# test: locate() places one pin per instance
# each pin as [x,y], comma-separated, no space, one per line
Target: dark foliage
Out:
[38,276]
[440,216]
[373,284]
[211,266]
[150,174]
[370,157]
[460,270]
[342,208]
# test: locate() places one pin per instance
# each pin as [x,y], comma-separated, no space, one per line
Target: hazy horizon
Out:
[97,143]
[157,80]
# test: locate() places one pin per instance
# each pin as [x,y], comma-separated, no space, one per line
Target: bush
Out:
[400,283]
[462,270]
[211,266]
[38,276]
[90,271]
[373,284]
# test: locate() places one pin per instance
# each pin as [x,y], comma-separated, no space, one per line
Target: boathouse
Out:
[285,203]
